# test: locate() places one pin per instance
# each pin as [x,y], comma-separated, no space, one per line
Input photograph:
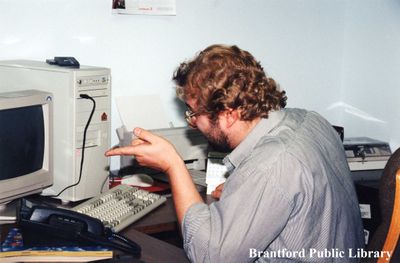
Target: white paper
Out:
[216,171]
[142,111]
[365,210]
[145,7]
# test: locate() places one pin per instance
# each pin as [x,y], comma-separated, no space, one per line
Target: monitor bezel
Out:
[35,182]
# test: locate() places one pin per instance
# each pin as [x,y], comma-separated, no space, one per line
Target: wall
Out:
[371,70]
[303,44]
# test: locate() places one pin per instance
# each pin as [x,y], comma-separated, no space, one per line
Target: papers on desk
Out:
[217,172]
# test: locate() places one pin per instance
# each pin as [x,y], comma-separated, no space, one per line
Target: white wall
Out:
[311,47]
[371,70]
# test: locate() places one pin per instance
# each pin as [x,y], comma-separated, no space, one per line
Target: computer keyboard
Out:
[198,177]
[120,206]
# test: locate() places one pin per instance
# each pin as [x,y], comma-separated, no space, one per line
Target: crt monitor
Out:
[25,144]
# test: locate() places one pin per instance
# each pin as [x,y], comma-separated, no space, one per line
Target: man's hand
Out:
[218,191]
[149,150]
[155,152]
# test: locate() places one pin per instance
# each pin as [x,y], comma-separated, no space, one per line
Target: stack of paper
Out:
[217,172]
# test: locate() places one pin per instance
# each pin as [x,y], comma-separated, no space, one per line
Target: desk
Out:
[155,250]
[162,219]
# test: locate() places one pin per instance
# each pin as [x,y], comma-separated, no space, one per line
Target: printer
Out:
[191,145]
[366,157]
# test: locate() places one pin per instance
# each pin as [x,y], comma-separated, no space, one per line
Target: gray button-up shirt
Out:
[289,197]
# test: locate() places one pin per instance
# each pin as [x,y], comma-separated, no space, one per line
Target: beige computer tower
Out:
[71,114]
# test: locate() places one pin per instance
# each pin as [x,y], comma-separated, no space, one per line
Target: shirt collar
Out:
[263,127]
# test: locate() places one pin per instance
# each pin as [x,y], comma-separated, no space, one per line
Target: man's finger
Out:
[128,150]
[144,135]
[220,187]
[137,142]
[216,193]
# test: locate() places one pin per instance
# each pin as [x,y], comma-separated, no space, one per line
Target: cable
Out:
[83,96]
[121,243]
[135,248]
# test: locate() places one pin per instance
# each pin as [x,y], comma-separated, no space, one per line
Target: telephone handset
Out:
[50,226]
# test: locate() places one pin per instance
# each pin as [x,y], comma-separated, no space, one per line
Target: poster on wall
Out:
[144,7]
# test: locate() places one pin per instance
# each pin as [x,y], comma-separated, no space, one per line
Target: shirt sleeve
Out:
[248,217]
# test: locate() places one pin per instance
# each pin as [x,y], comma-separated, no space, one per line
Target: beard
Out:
[217,139]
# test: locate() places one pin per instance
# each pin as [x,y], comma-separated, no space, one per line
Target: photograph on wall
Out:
[144,7]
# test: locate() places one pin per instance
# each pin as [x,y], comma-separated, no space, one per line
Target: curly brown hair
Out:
[223,77]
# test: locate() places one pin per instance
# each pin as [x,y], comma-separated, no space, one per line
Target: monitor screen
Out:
[22,141]
[25,144]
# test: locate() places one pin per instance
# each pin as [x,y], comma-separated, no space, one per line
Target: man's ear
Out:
[232,116]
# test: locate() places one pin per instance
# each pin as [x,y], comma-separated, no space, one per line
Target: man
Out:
[289,195]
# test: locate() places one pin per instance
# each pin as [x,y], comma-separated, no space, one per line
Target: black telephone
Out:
[50,226]
[64,62]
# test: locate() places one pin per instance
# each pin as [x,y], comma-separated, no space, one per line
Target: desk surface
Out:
[162,219]
[155,250]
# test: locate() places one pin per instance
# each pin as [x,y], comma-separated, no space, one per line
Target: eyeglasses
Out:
[190,117]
